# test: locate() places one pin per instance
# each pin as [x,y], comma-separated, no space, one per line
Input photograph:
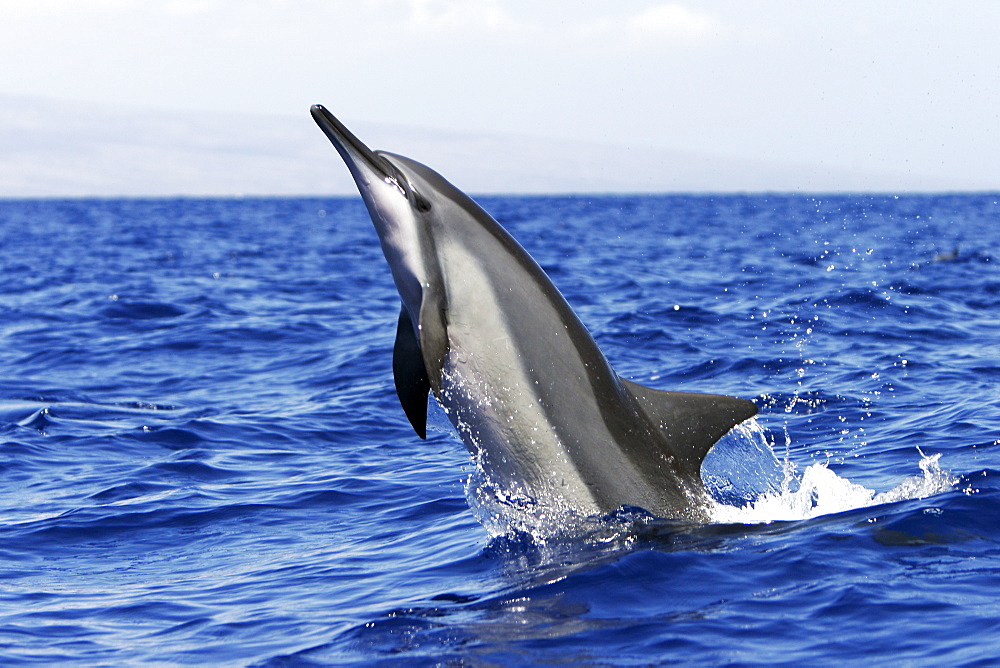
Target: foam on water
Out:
[820,491]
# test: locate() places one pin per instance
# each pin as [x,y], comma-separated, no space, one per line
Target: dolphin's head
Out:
[391,187]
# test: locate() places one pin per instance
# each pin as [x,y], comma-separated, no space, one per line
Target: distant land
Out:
[50,148]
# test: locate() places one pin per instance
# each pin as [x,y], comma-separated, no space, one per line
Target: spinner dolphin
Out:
[483,329]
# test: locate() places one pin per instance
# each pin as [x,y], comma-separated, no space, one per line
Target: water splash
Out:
[748,483]
[506,510]
[820,491]
[742,466]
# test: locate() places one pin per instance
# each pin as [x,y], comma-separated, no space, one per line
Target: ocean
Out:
[203,461]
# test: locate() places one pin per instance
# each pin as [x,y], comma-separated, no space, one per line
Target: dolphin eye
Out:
[419,201]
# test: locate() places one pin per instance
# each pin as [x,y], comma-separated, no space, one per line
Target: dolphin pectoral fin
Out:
[691,423]
[410,375]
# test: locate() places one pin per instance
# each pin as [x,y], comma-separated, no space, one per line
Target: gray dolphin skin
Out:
[521,379]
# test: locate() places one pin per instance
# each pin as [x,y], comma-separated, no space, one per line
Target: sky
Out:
[904,87]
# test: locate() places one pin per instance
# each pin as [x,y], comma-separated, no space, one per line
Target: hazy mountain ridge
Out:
[54,149]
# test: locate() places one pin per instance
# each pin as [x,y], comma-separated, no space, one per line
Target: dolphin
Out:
[520,378]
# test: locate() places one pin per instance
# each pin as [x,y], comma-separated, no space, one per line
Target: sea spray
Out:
[820,491]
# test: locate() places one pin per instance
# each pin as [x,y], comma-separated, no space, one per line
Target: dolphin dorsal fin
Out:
[410,374]
[691,423]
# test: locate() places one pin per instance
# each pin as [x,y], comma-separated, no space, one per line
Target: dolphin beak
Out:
[351,149]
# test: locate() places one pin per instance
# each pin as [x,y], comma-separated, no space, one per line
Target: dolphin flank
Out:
[521,379]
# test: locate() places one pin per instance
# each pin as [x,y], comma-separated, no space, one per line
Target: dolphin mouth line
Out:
[352,149]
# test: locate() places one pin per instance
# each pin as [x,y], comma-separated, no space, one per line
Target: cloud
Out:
[660,25]
[589,27]
[433,18]
[189,7]
[58,8]
[674,22]
[452,15]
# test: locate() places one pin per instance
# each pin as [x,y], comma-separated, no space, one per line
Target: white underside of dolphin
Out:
[519,376]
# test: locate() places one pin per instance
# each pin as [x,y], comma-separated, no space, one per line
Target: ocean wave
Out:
[203,460]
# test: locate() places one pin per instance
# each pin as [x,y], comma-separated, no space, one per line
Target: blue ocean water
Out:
[202,459]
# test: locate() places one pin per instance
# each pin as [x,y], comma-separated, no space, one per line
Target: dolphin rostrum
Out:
[519,376]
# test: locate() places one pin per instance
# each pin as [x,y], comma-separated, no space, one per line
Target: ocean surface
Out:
[203,461]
